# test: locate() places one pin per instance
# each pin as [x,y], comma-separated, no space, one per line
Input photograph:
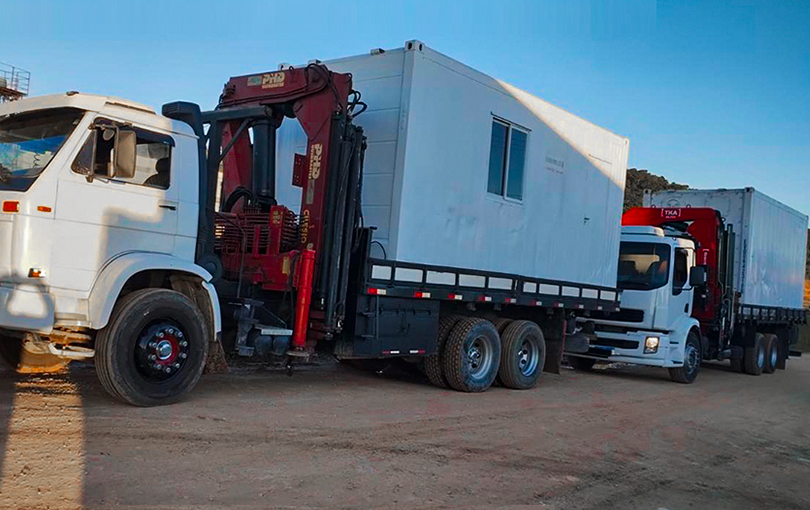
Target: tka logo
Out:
[670,213]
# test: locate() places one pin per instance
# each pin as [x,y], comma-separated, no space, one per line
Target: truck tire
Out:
[29,361]
[754,357]
[523,354]
[736,365]
[500,325]
[433,364]
[771,353]
[472,355]
[153,349]
[581,364]
[692,357]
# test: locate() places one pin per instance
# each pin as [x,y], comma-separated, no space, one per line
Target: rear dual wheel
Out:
[754,356]
[771,353]
[472,355]
[523,354]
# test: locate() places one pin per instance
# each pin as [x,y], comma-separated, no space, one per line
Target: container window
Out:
[507,160]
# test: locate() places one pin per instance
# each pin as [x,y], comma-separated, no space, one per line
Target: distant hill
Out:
[639,180]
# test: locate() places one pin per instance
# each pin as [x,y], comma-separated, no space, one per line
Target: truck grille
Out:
[623,315]
[619,344]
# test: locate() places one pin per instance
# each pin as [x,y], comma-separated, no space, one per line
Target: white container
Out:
[429,125]
[770,251]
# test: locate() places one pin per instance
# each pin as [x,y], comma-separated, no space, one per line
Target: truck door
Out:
[680,303]
[99,217]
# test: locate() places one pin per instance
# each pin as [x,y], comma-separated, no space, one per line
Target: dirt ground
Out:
[624,438]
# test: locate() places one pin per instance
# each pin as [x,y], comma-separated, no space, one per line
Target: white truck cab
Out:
[99,200]
[654,326]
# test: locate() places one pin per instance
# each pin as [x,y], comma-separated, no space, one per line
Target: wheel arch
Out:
[135,271]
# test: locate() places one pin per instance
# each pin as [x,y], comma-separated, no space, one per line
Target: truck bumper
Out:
[629,348]
[25,309]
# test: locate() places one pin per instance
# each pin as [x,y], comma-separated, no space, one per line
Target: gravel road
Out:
[623,438]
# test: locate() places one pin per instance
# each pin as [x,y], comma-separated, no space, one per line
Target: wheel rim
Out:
[161,351]
[761,357]
[479,357]
[528,356]
[774,356]
[691,358]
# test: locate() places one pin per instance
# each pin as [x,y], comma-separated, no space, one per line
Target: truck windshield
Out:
[29,141]
[643,266]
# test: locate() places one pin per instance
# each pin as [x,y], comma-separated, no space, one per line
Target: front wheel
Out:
[687,373]
[153,350]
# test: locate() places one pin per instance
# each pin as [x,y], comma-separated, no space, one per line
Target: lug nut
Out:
[179,334]
[160,335]
[152,345]
[158,367]
[177,365]
[183,355]
[168,369]
[183,344]
[170,331]
[152,357]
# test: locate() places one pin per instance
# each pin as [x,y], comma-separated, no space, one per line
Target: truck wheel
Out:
[26,358]
[687,373]
[771,353]
[581,364]
[736,365]
[433,364]
[523,353]
[472,355]
[153,349]
[754,358]
[500,325]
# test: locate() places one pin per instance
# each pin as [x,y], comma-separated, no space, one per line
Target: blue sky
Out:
[711,93]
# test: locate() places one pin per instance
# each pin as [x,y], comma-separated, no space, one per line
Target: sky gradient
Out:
[711,93]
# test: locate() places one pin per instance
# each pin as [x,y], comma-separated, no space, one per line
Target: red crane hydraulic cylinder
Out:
[306,268]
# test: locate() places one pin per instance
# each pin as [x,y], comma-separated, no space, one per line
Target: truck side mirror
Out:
[697,278]
[124,160]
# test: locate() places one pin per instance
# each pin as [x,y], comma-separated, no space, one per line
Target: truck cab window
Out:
[680,273]
[643,266]
[152,162]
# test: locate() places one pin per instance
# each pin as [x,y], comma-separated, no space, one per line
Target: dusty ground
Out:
[333,437]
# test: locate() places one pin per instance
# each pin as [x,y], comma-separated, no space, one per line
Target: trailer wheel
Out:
[153,350]
[433,364]
[472,355]
[754,358]
[523,354]
[771,353]
[581,364]
[688,372]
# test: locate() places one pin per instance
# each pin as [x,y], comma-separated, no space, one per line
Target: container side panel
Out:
[379,80]
[776,254]
[771,241]
[566,227]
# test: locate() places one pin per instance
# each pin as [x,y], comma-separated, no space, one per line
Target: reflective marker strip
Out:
[457,297]
[559,305]
[485,298]
[510,300]
[421,294]
[580,306]
[538,303]
[377,292]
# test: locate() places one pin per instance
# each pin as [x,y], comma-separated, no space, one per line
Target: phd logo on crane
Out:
[267,81]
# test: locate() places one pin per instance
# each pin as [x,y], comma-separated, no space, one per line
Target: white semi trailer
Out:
[496,219]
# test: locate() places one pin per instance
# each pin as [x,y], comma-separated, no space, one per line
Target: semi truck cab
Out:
[659,278]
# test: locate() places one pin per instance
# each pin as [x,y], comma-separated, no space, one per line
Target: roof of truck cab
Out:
[90,102]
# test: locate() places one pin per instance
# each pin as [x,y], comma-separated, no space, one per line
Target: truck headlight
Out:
[651,344]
